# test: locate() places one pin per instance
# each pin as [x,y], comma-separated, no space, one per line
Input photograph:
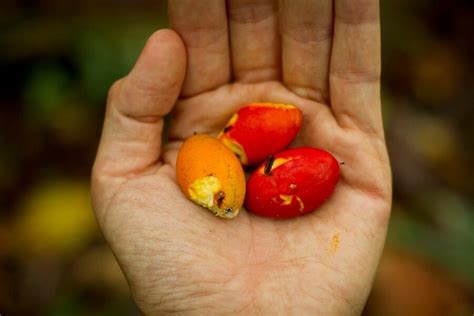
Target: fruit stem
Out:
[269,165]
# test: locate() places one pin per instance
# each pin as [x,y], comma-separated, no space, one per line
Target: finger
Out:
[355,65]
[254,38]
[306,28]
[203,27]
[131,137]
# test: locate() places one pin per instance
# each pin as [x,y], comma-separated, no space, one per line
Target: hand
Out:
[178,257]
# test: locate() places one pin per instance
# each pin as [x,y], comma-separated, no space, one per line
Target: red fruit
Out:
[292,183]
[259,130]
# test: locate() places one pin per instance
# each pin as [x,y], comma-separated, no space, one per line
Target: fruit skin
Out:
[259,130]
[292,183]
[210,175]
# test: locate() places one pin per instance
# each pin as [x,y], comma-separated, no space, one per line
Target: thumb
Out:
[131,136]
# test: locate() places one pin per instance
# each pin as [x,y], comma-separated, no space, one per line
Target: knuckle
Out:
[357,11]
[114,90]
[251,12]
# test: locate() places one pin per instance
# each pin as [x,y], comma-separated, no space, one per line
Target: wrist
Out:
[287,297]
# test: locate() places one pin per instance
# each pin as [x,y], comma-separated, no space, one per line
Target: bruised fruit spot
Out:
[202,191]
[220,196]
[236,148]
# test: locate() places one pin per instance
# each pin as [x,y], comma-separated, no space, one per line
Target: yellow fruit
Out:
[55,219]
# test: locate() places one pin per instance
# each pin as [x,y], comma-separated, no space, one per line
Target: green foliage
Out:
[45,90]
[447,241]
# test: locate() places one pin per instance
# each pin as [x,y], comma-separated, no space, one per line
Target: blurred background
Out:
[57,61]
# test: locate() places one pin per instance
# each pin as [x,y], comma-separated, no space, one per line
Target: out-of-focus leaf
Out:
[454,219]
[437,77]
[68,305]
[98,267]
[450,244]
[434,139]
[9,168]
[5,240]
[45,91]
[387,109]
[427,146]
[71,124]
[106,54]
[395,14]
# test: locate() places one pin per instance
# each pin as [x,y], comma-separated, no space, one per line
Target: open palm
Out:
[323,57]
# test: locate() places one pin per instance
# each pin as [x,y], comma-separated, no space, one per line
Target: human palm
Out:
[178,257]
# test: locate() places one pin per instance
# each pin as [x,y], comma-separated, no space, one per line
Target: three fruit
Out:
[288,183]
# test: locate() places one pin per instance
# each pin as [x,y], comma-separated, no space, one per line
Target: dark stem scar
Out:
[269,165]
[342,163]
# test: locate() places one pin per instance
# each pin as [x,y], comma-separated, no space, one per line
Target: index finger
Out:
[203,27]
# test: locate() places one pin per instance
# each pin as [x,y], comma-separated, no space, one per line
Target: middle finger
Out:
[254,39]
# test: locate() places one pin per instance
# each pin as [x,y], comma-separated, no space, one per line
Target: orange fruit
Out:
[210,175]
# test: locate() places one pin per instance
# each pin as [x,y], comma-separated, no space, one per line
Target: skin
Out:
[323,56]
